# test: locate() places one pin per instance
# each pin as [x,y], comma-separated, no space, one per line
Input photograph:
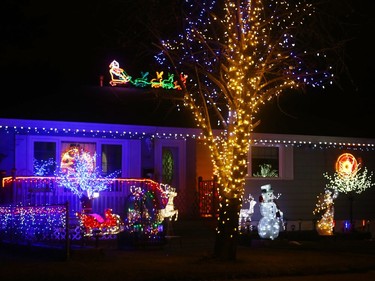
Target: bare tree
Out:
[239,55]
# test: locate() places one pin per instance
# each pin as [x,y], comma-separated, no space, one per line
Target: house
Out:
[161,145]
[179,157]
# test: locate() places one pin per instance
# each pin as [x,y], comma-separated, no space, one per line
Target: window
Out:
[111,159]
[272,162]
[109,156]
[44,158]
[70,150]
[168,166]
[170,162]
[265,161]
[86,146]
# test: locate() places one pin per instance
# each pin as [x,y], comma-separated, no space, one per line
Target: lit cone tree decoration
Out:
[79,173]
[238,55]
[349,178]
[324,210]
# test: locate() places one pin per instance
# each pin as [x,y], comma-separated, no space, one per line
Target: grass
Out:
[187,256]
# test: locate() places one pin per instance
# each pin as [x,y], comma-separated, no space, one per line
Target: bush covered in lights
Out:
[141,217]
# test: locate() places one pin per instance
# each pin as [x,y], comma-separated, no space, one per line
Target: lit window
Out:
[265,161]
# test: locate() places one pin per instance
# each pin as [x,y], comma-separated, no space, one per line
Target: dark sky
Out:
[48,47]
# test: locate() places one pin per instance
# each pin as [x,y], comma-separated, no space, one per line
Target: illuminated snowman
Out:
[271,222]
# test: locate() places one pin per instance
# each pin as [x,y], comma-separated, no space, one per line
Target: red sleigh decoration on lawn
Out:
[94,224]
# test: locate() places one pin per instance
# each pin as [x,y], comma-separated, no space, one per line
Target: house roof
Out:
[115,105]
[119,131]
[159,107]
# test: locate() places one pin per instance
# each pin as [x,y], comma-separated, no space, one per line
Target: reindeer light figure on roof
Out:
[169,211]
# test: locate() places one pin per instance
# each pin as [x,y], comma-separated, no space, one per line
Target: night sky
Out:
[49,48]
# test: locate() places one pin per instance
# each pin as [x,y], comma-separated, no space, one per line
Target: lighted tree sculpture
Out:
[238,55]
[349,178]
[79,173]
[325,211]
[44,167]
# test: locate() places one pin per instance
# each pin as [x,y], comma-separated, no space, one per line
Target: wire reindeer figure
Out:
[169,211]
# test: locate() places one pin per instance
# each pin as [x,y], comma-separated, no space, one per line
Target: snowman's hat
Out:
[266,188]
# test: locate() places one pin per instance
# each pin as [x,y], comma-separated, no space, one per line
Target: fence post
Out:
[67,229]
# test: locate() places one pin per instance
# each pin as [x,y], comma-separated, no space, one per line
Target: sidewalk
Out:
[187,257]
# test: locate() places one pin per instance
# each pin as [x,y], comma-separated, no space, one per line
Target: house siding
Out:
[299,195]
[7,152]
[303,162]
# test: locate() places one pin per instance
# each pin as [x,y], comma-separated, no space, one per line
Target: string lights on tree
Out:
[357,183]
[349,178]
[238,56]
[79,174]
[44,167]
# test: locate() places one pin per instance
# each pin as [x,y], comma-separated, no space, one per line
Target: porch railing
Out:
[32,191]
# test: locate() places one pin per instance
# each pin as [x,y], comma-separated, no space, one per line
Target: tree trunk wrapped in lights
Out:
[237,56]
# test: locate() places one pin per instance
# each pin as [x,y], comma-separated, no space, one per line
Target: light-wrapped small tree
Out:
[83,177]
[349,178]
